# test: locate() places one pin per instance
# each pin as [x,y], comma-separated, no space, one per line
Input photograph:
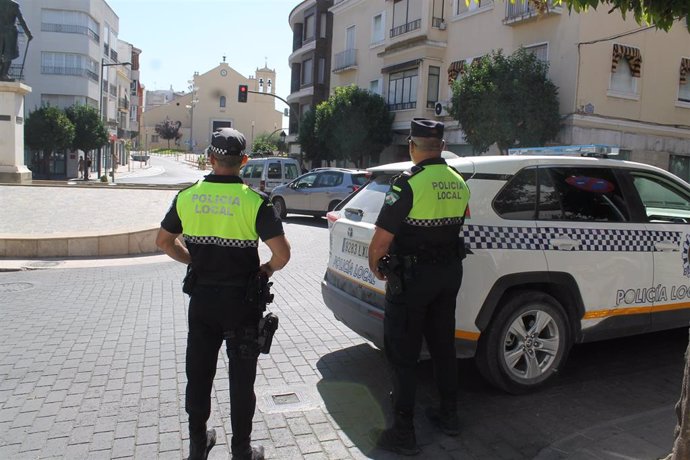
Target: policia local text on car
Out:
[221,220]
[418,249]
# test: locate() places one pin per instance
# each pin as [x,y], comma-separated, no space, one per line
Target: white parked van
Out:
[264,174]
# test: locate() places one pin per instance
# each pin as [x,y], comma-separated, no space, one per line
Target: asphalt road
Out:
[172,171]
[92,366]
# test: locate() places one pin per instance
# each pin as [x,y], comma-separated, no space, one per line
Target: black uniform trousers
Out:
[425,309]
[217,314]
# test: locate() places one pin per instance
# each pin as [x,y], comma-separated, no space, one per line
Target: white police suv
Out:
[561,250]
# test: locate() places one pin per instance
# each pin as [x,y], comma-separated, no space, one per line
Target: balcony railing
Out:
[113,55]
[402,106]
[439,23]
[70,29]
[73,71]
[524,9]
[403,29]
[345,60]
[123,103]
[113,90]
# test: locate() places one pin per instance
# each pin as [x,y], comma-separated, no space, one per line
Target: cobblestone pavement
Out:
[92,366]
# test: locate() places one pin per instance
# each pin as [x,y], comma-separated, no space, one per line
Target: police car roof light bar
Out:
[588,150]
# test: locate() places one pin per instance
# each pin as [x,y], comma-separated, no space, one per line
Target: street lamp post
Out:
[282,137]
[193,88]
[100,108]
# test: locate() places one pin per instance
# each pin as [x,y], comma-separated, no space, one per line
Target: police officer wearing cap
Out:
[221,220]
[418,230]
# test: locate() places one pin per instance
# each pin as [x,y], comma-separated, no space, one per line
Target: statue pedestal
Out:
[12,167]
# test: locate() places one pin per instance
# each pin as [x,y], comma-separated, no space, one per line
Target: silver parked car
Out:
[317,192]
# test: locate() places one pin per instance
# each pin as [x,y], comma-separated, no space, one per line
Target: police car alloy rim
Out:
[531,344]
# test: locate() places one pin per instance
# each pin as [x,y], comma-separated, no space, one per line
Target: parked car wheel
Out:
[279,206]
[332,205]
[526,343]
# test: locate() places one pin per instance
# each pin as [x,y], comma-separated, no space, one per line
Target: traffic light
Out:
[242,93]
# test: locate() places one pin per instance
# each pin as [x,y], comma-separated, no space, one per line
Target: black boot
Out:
[400,438]
[445,418]
[198,449]
[256,453]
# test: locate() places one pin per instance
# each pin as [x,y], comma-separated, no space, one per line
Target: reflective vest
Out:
[440,197]
[219,213]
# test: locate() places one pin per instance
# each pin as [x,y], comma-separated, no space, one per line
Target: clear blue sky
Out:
[179,37]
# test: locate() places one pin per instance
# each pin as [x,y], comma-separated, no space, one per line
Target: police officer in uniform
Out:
[418,229]
[221,220]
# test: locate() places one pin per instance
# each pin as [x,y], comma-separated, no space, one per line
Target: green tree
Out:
[90,133]
[307,137]
[47,130]
[263,145]
[169,130]
[353,124]
[660,13]
[507,100]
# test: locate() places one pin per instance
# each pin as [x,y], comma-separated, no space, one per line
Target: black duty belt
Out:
[428,259]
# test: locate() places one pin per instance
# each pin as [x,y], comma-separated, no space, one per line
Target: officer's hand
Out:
[379,275]
[266,268]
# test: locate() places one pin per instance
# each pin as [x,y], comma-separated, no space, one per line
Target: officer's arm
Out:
[379,246]
[280,254]
[172,246]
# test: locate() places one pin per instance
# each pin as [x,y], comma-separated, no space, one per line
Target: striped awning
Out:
[455,69]
[631,54]
[684,70]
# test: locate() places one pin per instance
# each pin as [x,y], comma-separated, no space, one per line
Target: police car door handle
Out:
[665,246]
[565,244]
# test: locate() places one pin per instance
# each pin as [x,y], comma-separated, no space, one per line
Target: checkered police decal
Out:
[433,222]
[221,241]
[591,239]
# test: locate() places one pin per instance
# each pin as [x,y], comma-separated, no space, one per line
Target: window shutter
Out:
[684,70]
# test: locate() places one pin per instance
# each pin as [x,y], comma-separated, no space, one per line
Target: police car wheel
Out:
[279,206]
[526,343]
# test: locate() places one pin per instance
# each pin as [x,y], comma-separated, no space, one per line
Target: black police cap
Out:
[422,127]
[227,141]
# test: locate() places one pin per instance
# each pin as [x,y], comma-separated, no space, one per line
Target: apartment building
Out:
[212,103]
[619,83]
[75,58]
[310,62]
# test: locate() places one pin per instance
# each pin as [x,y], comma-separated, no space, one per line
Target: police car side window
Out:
[663,200]
[518,199]
[582,194]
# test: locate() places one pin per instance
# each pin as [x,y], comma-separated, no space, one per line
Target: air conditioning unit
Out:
[440,110]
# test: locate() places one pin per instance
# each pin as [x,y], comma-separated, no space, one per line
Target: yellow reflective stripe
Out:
[599,314]
[467,335]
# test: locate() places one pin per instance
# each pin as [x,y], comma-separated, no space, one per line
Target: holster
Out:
[189,280]
[394,271]
[259,291]
[267,328]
